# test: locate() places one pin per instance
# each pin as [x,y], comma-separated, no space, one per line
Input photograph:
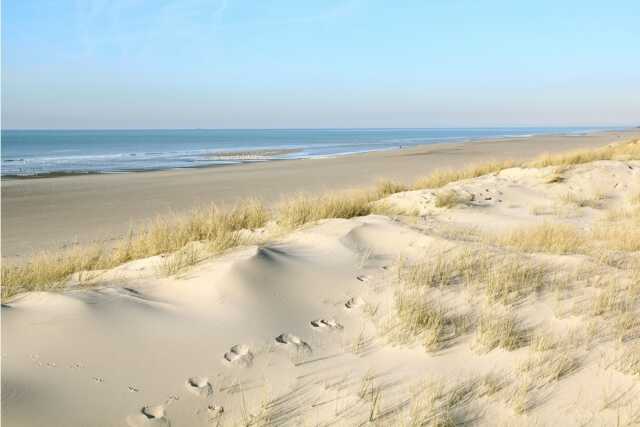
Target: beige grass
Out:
[499,331]
[386,187]
[511,279]
[629,150]
[450,198]
[546,237]
[176,262]
[419,317]
[49,271]
[217,227]
[623,236]
[440,178]
[550,365]
[304,209]
[629,360]
[583,201]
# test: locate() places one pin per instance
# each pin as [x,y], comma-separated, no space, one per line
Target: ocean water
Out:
[44,152]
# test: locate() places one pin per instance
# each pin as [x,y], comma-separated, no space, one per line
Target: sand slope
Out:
[305,330]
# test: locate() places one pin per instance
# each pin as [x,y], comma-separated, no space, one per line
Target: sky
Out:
[319,63]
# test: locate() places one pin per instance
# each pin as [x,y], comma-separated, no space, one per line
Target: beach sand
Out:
[445,316]
[48,213]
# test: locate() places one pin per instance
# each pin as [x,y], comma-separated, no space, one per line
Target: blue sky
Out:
[324,63]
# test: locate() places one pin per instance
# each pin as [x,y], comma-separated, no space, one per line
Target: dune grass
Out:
[177,261]
[511,279]
[440,178]
[629,150]
[386,187]
[583,201]
[304,209]
[546,237]
[449,199]
[220,229]
[499,331]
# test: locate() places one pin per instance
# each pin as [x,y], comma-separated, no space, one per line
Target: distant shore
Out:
[51,212]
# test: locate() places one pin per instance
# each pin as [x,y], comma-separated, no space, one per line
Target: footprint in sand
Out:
[293,340]
[149,416]
[239,354]
[200,386]
[215,411]
[324,324]
[354,302]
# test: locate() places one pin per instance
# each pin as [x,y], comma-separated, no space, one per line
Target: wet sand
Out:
[49,213]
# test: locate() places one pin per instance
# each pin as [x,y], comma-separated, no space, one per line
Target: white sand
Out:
[292,332]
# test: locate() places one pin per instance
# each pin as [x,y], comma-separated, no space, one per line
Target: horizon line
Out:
[537,126]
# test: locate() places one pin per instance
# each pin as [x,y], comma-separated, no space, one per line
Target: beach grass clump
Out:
[217,227]
[629,360]
[582,201]
[48,271]
[622,236]
[499,331]
[386,187]
[433,272]
[556,176]
[419,317]
[450,198]
[612,300]
[177,261]
[440,178]
[546,367]
[511,280]
[441,270]
[304,209]
[545,237]
[629,150]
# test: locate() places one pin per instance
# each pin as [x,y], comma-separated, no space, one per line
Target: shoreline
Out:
[215,158]
[49,213]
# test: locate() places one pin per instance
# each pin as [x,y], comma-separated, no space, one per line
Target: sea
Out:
[34,153]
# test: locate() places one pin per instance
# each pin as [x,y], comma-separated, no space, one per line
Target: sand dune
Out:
[434,316]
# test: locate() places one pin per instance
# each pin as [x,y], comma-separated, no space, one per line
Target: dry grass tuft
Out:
[546,237]
[612,300]
[172,233]
[512,279]
[450,198]
[629,150]
[440,178]
[441,405]
[442,270]
[304,209]
[179,260]
[629,360]
[501,331]
[49,271]
[556,176]
[549,366]
[219,228]
[582,201]
[419,317]
[386,187]
[623,236]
